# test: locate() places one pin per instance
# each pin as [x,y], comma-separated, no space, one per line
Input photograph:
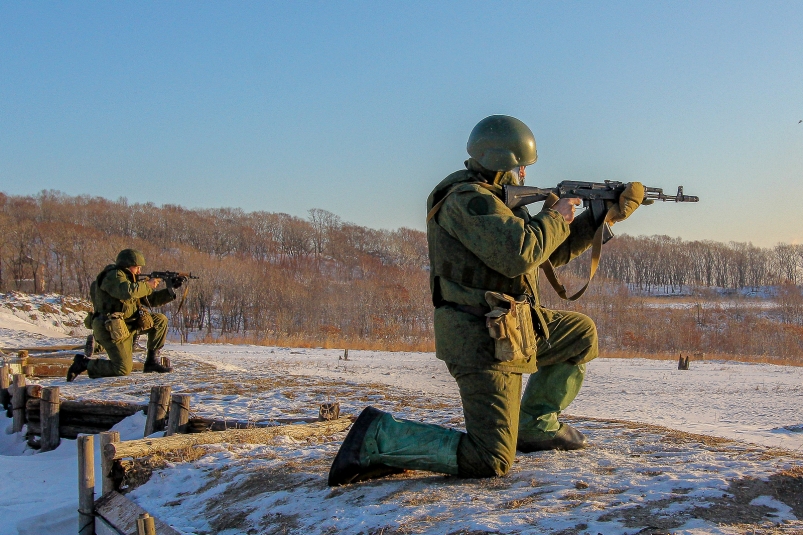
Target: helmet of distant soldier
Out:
[502,143]
[130,258]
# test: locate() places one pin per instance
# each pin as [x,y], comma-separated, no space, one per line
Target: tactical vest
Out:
[102,301]
[451,260]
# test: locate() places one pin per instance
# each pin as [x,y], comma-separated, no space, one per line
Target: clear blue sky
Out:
[360,108]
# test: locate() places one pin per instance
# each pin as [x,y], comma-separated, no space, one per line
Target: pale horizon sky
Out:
[360,108]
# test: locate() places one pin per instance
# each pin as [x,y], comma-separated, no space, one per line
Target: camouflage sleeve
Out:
[116,284]
[489,229]
[581,234]
[161,297]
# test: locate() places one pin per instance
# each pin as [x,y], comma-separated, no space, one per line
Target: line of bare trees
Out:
[272,277]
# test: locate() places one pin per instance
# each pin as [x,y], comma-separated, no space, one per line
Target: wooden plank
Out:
[122,514]
[104,528]
[148,446]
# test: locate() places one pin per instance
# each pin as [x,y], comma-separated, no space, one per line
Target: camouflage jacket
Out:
[116,290]
[476,244]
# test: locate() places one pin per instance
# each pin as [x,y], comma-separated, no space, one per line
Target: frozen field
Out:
[716,449]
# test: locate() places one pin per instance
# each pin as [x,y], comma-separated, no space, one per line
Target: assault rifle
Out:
[595,197]
[593,194]
[170,277]
[173,280]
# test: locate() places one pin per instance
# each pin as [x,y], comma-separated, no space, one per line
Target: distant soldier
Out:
[489,326]
[119,315]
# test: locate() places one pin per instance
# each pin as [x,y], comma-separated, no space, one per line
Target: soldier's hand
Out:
[566,207]
[153,283]
[630,199]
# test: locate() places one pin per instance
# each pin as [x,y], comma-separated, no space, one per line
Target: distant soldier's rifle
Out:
[596,197]
[171,278]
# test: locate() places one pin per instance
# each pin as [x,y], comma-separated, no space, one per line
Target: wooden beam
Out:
[122,514]
[148,446]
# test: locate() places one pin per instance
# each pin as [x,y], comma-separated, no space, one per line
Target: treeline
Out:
[661,262]
[275,278]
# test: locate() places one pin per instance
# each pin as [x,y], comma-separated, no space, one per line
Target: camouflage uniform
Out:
[481,251]
[116,290]
[510,245]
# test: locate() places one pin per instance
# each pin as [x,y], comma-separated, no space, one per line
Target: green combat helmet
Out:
[130,258]
[502,143]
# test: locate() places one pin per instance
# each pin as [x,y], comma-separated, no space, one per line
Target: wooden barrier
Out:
[82,416]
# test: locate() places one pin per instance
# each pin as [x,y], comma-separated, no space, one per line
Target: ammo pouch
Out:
[116,326]
[510,324]
[142,320]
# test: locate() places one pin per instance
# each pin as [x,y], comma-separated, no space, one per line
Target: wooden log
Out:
[146,525]
[157,409]
[49,417]
[40,349]
[179,414]
[77,409]
[67,431]
[86,486]
[18,402]
[148,446]
[122,514]
[106,464]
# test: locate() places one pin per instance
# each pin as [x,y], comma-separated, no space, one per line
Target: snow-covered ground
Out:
[716,449]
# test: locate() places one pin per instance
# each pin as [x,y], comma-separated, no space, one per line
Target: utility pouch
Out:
[116,326]
[143,320]
[510,324]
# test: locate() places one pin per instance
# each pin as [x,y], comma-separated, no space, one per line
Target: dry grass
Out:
[325,342]
[752,359]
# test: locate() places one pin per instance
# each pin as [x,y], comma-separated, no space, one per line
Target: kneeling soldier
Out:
[118,316]
[489,325]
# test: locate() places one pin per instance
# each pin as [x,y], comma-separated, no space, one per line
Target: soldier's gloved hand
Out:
[630,199]
[177,282]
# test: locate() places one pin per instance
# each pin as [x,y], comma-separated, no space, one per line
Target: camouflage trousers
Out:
[495,412]
[121,354]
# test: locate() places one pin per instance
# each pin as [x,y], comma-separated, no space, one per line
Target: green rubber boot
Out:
[411,445]
[549,391]
[379,445]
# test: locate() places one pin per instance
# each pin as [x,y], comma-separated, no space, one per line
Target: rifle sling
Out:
[596,253]
[183,296]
